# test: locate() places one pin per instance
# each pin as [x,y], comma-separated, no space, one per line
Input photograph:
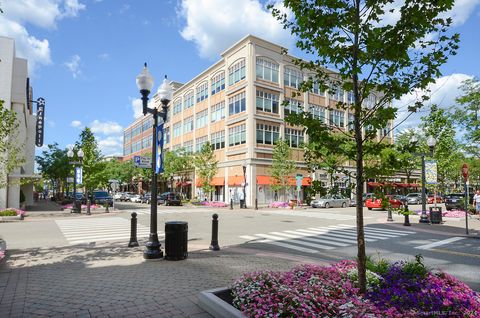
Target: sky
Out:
[84,55]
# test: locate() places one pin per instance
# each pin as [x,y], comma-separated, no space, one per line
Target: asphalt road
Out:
[316,234]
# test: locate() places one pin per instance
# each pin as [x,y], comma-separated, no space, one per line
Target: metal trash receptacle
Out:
[77,206]
[176,240]
[435,215]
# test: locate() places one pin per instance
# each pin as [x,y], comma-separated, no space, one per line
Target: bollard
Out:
[407,220]
[88,207]
[133,231]
[389,215]
[231,204]
[256,204]
[106,208]
[214,244]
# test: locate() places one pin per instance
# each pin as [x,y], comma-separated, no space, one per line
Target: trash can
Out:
[77,207]
[176,240]
[435,215]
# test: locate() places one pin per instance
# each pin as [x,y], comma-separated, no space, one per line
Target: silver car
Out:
[334,201]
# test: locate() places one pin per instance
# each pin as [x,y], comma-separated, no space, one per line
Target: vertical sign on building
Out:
[40,123]
[160,148]
[78,175]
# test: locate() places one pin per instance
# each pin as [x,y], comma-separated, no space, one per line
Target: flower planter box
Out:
[11,218]
[218,303]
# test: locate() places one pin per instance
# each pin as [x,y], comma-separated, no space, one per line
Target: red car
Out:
[430,199]
[375,203]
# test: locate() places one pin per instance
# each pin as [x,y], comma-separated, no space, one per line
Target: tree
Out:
[206,166]
[54,165]
[92,163]
[282,166]
[376,61]
[178,163]
[10,150]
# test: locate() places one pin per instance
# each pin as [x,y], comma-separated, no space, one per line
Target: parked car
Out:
[376,203]
[455,201]
[367,196]
[146,198]
[137,198]
[118,196]
[102,198]
[169,198]
[127,196]
[414,198]
[400,198]
[431,199]
[334,201]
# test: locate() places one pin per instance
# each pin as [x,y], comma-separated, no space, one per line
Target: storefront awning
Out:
[264,180]
[235,180]
[216,181]
[413,185]
[375,184]
[401,185]
[267,180]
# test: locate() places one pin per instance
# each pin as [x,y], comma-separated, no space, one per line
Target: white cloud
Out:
[442,93]
[105,128]
[41,13]
[112,145]
[73,65]
[137,107]
[214,25]
[76,124]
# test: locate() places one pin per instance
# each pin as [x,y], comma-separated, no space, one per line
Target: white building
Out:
[14,87]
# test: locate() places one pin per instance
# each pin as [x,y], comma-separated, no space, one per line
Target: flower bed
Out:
[447,214]
[12,212]
[401,289]
[278,204]
[215,204]
[84,206]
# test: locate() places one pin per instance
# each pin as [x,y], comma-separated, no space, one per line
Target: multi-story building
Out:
[137,138]
[15,93]
[236,105]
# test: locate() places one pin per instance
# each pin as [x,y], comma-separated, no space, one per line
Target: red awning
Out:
[375,184]
[216,181]
[401,185]
[183,184]
[235,180]
[307,181]
[264,180]
[413,185]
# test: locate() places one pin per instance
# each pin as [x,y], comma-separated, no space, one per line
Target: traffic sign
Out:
[465,172]
[142,162]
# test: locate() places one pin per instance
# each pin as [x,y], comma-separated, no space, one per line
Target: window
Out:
[177,106]
[177,129]
[236,104]
[267,134]
[137,130]
[294,106]
[188,124]
[237,135]
[127,150]
[370,101]
[188,146]
[146,142]
[318,112]
[218,112]
[189,100]
[292,77]
[236,72]
[351,117]
[218,83]
[267,70]
[201,119]
[350,97]
[267,102]
[137,146]
[317,90]
[127,136]
[166,135]
[199,142]
[294,137]
[202,92]
[384,132]
[337,118]
[218,140]
[147,124]
[337,94]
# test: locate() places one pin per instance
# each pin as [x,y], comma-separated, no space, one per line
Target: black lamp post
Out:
[244,166]
[70,155]
[431,142]
[145,83]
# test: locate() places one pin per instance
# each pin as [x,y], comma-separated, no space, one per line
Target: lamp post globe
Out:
[70,153]
[80,154]
[144,80]
[165,91]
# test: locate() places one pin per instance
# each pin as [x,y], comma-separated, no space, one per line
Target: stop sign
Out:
[465,171]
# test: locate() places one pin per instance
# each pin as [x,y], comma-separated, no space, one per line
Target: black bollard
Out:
[88,207]
[214,244]
[231,204]
[389,215]
[407,220]
[256,204]
[133,231]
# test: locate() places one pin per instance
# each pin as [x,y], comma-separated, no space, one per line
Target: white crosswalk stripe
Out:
[77,231]
[171,211]
[318,215]
[314,239]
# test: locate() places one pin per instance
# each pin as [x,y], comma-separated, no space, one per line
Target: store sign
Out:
[431,171]
[40,122]
[160,148]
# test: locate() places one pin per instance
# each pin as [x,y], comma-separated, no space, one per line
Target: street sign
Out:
[465,172]
[142,162]
[70,179]
[299,179]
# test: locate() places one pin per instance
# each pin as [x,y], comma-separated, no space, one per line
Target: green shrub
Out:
[416,267]
[8,213]
[380,267]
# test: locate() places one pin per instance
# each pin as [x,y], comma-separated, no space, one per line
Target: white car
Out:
[117,196]
[136,198]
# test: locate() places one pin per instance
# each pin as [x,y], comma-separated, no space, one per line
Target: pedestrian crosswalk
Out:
[79,230]
[318,215]
[314,239]
[169,210]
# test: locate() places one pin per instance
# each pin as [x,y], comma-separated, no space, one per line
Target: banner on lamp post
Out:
[159,140]
[79,175]
[40,122]
[431,171]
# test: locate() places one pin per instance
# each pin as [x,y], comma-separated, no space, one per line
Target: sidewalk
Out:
[114,281]
[48,208]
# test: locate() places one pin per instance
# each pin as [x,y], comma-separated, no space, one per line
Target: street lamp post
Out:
[244,166]
[431,142]
[145,83]
[70,155]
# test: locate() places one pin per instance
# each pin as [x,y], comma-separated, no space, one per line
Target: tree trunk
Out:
[361,254]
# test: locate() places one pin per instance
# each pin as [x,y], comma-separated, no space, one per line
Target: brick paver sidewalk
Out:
[114,281]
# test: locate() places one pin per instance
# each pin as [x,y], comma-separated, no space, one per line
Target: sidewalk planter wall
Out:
[11,218]
[218,303]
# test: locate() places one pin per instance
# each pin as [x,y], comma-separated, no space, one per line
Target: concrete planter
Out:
[11,218]
[218,303]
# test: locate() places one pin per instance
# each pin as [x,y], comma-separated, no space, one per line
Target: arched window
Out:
[202,92]
[292,77]
[236,72]
[218,83]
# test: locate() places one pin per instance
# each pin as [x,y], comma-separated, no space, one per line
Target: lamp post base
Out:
[424,218]
[152,250]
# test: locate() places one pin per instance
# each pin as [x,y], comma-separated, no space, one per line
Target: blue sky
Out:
[84,54]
